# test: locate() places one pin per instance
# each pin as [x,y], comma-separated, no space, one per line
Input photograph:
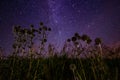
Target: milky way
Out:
[97,18]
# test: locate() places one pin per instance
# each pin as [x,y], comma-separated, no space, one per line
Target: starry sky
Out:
[97,18]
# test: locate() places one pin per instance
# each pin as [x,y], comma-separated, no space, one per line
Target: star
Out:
[60,32]
[88,26]
[97,18]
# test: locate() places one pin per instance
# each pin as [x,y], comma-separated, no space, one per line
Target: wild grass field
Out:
[81,58]
[59,68]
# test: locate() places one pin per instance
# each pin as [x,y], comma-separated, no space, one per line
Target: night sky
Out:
[97,18]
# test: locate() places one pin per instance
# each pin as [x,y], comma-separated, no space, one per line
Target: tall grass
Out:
[78,60]
[59,68]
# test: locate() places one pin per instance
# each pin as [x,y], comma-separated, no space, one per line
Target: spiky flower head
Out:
[44,40]
[79,37]
[49,29]
[89,41]
[68,40]
[76,34]
[40,29]
[72,67]
[41,23]
[98,41]
[74,39]
[85,37]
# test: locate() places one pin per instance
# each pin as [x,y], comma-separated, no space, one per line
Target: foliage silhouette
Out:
[79,59]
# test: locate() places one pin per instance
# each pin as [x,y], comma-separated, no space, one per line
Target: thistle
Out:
[98,43]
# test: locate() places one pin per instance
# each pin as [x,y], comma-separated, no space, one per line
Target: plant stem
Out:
[36,69]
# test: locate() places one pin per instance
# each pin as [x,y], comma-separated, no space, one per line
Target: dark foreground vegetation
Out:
[81,58]
[59,68]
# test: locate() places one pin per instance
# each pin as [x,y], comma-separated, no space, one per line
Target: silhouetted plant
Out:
[98,44]
[68,40]
[49,29]
[82,44]
[89,41]
[24,38]
[85,37]
[41,23]
[1,53]
[97,41]
[74,39]
[56,67]
[76,34]
[43,32]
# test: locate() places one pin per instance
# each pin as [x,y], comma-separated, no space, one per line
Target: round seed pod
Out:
[40,29]
[45,40]
[76,34]
[84,37]
[74,39]
[72,67]
[79,37]
[89,41]
[98,41]
[49,29]
[68,40]
[41,23]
